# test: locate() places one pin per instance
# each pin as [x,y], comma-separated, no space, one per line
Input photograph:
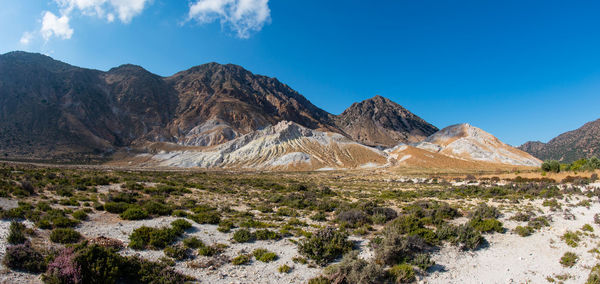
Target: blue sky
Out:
[521,70]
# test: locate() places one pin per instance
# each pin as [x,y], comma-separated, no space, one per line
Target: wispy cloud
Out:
[242,16]
[26,38]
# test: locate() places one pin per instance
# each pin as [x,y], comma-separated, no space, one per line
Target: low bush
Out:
[241,259]
[16,233]
[538,222]
[24,257]
[177,252]
[225,226]
[464,236]
[594,276]
[243,236]
[571,238]
[487,225]
[587,228]
[569,259]
[212,250]
[353,269]
[152,238]
[206,218]
[180,225]
[284,269]
[264,255]
[116,207]
[403,273]
[157,208]
[484,211]
[266,234]
[80,215]
[423,261]
[134,213]
[325,245]
[353,218]
[524,231]
[64,236]
[63,269]
[193,242]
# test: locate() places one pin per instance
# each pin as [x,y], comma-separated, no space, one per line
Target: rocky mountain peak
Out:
[378,121]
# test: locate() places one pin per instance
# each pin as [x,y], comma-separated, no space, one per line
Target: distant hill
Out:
[381,122]
[583,142]
[464,141]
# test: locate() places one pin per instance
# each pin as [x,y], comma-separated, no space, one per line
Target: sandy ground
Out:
[109,225]
[511,258]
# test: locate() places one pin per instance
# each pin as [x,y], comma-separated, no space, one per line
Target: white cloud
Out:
[125,10]
[26,38]
[55,26]
[242,16]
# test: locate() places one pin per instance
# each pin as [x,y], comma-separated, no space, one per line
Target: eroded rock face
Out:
[583,142]
[381,122]
[471,143]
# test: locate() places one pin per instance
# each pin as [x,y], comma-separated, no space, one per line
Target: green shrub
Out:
[325,245]
[264,255]
[571,238]
[319,280]
[214,249]
[157,208]
[206,218]
[284,269]
[524,231]
[403,273]
[80,215]
[319,217]
[193,243]
[551,166]
[266,234]
[484,211]
[23,257]
[568,259]
[353,218]
[594,276]
[243,236]
[241,259]
[152,238]
[487,225]
[538,222]
[464,236]
[181,225]
[16,233]
[225,226]
[116,207]
[353,269]
[587,228]
[64,236]
[177,252]
[134,213]
[423,261]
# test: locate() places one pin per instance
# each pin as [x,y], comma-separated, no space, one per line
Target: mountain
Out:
[213,116]
[467,142]
[218,103]
[53,110]
[583,142]
[381,122]
[284,146]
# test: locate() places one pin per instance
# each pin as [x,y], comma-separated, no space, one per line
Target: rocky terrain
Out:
[381,122]
[51,110]
[583,142]
[468,142]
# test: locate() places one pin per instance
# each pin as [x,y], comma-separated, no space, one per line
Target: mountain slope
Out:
[218,103]
[286,146]
[466,142]
[381,122]
[583,142]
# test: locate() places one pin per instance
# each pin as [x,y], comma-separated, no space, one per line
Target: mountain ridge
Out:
[583,142]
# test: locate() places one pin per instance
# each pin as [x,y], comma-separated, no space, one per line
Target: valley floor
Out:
[287,203]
